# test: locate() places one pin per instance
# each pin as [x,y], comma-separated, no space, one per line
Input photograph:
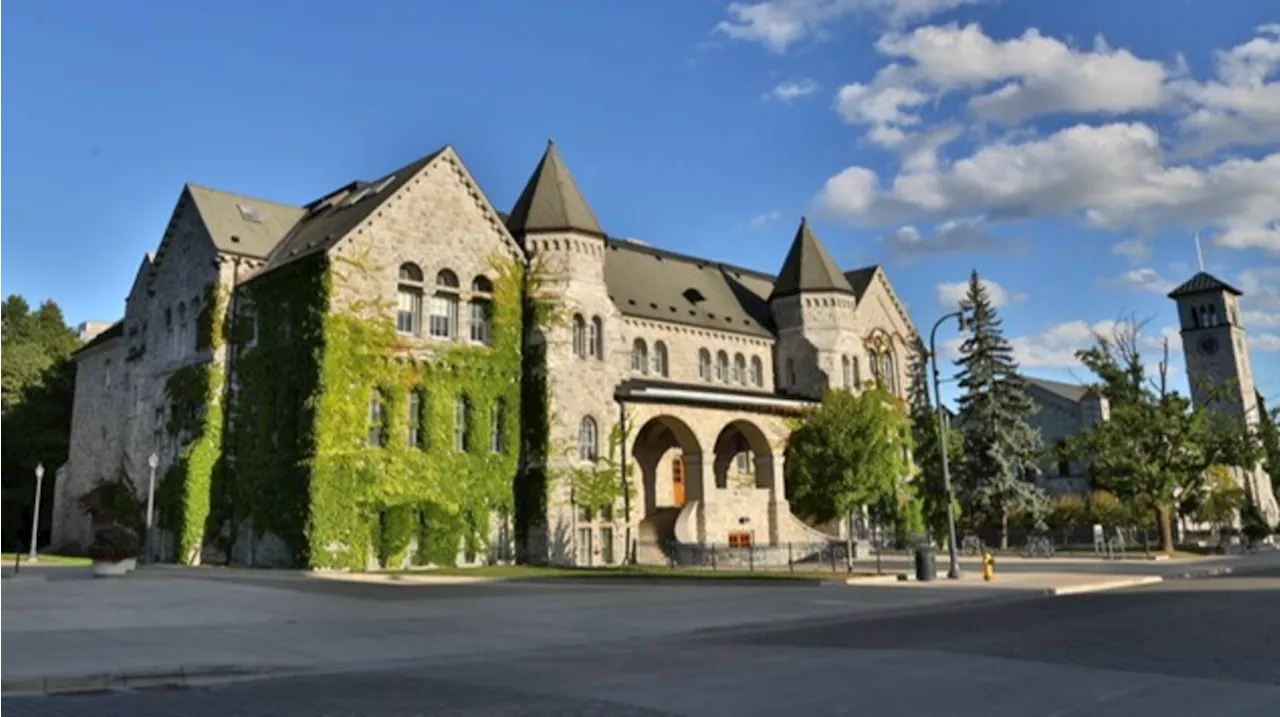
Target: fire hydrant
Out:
[988,567]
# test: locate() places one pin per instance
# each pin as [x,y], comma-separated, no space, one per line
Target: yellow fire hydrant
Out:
[988,567]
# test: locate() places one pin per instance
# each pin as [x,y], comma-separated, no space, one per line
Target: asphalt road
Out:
[1192,647]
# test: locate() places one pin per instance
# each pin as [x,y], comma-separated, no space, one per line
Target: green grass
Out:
[48,559]
[641,572]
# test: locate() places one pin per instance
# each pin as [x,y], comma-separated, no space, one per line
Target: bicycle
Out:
[1038,546]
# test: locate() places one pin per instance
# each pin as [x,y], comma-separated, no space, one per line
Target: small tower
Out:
[1218,367]
[813,309]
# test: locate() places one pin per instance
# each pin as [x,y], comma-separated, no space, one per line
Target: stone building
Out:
[1063,410]
[321,378]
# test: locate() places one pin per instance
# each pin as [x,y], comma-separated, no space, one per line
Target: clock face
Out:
[1208,346]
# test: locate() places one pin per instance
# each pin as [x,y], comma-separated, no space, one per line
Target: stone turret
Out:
[813,309]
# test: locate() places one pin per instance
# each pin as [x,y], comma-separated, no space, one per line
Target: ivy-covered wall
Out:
[306,463]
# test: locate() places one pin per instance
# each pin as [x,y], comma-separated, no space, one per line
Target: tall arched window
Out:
[791,372]
[480,310]
[660,358]
[579,336]
[857,377]
[444,305]
[722,367]
[409,300]
[588,440]
[757,371]
[873,362]
[596,344]
[847,367]
[462,424]
[704,364]
[497,438]
[639,356]
[739,369]
[181,348]
[417,414]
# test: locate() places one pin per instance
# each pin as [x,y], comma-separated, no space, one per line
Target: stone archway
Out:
[669,458]
[743,457]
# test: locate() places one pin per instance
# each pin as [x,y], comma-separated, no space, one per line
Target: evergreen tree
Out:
[1269,433]
[1000,448]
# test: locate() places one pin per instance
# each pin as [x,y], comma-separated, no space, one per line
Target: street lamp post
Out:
[35,513]
[152,461]
[953,570]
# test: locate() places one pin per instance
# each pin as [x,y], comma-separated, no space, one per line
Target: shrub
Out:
[113,543]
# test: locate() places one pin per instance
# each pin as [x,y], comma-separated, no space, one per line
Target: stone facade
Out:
[697,366]
[1062,411]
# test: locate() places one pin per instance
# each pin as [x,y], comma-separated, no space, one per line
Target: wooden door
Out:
[677,480]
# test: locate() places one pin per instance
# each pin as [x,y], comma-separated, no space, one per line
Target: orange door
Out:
[677,480]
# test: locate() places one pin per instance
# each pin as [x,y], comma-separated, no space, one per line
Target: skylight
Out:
[249,213]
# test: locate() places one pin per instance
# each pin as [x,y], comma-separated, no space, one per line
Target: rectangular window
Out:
[409,311]
[584,547]
[416,437]
[481,322]
[739,540]
[461,418]
[444,315]
[606,546]
[585,514]
[376,423]
[497,444]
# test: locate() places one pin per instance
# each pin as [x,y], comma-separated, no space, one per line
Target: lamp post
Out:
[35,513]
[953,570]
[152,461]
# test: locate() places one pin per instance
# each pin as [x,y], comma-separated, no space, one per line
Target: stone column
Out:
[698,473]
[779,508]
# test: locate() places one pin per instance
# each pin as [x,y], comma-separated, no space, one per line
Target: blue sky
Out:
[1068,151]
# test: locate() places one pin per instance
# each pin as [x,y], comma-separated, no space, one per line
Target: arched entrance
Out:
[669,458]
[743,457]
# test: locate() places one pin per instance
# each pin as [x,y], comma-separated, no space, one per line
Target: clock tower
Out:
[1218,367]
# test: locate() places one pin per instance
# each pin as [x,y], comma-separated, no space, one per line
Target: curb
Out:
[1201,574]
[886,579]
[129,679]
[1103,586]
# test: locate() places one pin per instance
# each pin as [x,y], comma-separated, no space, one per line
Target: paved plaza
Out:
[325,646]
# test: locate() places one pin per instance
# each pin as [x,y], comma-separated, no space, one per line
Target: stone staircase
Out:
[653,532]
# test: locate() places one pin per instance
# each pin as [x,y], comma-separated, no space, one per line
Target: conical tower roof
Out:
[551,201]
[809,267]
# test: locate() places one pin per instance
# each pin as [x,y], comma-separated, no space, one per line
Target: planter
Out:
[113,568]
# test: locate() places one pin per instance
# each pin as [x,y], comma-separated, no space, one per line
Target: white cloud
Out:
[951,295]
[1145,279]
[779,24]
[1113,176]
[1027,76]
[792,91]
[955,236]
[1137,251]
[760,221]
[1265,342]
[1239,107]
[1260,304]
[1057,345]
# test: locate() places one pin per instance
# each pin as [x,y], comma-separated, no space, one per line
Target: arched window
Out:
[757,371]
[444,305]
[857,377]
[462,424]
[873,362]
[595,345]
[704,364]
[639,356]
[377,422]
[739,369]
[181,348]
[791,372]
[480,310]
[579,335]
[497,438]
[847,367]
[891,371]
[660,358]
[417,407]
[588,441]
[722,367]
[409,300]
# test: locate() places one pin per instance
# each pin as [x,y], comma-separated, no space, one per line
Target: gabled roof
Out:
[808,267]
[1203,283]
[654,284]
[551,201]
[1074,393]
[860,279]
[327,220]
[243,225]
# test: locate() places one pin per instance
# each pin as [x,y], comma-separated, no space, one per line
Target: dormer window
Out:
[249,213]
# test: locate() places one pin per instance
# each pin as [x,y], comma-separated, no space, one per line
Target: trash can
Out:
[926,563]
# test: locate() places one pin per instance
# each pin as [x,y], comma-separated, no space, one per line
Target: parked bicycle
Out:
[1038,546]
[972,545]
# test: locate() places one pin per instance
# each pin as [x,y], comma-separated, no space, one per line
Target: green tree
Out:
[1106,509]
[930,486]
[1269,435]
[1000,447]
[850,451]
[1068,512]
[1223,498]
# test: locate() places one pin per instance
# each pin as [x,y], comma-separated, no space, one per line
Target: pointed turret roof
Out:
[551,201]
[809,267]
[1203,283]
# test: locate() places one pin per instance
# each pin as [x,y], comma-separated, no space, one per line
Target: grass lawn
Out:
[643,572]
[48,559]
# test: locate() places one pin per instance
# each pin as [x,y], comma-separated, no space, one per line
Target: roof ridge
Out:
[669,254]
[206,188]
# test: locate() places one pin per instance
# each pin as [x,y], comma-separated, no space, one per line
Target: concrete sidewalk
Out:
[173,626]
